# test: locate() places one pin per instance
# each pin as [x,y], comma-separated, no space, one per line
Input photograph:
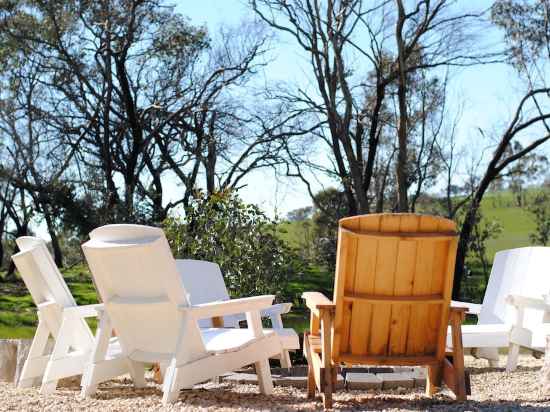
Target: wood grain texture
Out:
[391,290]
[392,294]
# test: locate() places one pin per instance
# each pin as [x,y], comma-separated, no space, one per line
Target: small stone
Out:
[400,369]
[419,375]
[295,381]
[246,378]
[396,380]
[361,380]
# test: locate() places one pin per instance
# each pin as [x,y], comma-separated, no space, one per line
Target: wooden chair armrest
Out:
[316,302]
[473,308]
[457,313]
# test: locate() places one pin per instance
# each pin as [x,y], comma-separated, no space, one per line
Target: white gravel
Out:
[492,389]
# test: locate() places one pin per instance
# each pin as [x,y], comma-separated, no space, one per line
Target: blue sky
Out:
[484,91]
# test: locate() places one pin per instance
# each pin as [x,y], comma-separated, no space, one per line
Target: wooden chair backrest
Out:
[394,276]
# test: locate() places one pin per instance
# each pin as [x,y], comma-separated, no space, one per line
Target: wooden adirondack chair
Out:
[146,302]
[61,319]
[391,305]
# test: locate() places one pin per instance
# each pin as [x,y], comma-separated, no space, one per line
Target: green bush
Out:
[241,239]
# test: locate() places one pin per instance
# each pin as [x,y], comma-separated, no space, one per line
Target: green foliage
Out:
[541,213]
[331,207]
[241,239]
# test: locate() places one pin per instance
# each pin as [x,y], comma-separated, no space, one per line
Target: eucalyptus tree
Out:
[136,96]
[526,31]
[357,52]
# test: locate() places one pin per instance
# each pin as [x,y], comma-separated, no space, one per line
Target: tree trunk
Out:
[402,178]
[58,255]
[466,230]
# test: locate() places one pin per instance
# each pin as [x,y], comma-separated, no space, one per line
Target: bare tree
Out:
[354,65]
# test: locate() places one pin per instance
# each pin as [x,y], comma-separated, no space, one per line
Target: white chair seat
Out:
[224,340]
[483,335]
[288,337]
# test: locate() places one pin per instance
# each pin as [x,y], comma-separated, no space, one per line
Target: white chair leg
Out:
[137,372]
[60,350]
[264,377]
[101,345]
[285,359]
[33,369]
[513,354]
[491,354]
[169,388]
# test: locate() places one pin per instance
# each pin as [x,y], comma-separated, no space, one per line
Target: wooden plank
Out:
[433,380]
[326,353]
[403,286]
[389,300]
[456,319]
[434,314]
[344,280]
[364,284]
[384,285]
[388,360]
[436,236]
[447,288]
[416,339]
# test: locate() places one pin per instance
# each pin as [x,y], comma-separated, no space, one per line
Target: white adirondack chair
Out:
[149,308]
[60,318]
[196,274]
[524,273]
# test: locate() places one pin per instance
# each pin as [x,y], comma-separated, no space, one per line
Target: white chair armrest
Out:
[527,302]
[230,307]
[86,311]
[277,309]
[473,308]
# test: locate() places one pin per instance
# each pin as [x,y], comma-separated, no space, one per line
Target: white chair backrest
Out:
[204,282]
[40,273]
[137,279]
[523,271]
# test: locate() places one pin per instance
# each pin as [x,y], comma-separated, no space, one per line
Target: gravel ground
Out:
[493,389]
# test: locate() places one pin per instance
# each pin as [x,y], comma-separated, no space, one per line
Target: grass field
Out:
[18,313]
[18,316]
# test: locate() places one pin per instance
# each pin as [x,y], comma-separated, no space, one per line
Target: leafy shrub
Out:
[241,239]
[541,214]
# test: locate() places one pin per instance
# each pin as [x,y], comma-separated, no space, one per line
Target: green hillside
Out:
[517,223]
